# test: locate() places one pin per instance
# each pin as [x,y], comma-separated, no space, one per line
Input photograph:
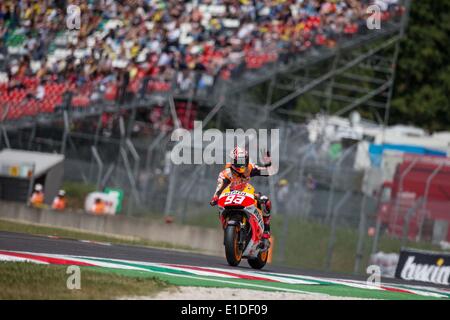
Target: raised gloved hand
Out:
[214,200]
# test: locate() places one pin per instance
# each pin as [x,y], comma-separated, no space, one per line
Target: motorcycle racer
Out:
[238,172]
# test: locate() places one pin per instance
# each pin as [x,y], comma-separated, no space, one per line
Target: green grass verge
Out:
[6,225]
[43,282]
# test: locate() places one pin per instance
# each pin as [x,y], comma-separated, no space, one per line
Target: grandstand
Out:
[138,69]
[142,48]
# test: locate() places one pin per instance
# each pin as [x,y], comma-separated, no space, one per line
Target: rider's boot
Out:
[266,209]
[266,234]
[265,206]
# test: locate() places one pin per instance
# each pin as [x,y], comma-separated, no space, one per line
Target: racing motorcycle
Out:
[243,226]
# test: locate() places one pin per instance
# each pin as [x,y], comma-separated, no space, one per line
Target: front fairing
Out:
[242,198]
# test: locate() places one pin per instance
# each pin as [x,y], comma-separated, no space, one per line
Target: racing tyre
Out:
[232,251]
[260,261]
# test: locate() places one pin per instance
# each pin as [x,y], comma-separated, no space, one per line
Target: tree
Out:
[422,87]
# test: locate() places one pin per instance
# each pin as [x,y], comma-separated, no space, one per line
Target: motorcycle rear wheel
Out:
[260,261]
[232,251]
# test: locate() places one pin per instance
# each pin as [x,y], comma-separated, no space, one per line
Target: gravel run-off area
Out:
[202,293]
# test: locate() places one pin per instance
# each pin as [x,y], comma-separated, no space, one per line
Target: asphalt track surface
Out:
[43,244]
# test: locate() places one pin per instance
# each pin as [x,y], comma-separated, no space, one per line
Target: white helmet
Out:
[61,193]
[239,159]
[38,187]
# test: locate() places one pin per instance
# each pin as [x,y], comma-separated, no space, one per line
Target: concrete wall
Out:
[209,241]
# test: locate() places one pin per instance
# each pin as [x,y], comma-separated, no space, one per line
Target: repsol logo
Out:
[436,273]
[237,192]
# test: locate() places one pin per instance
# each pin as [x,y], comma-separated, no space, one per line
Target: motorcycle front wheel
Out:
[232,251]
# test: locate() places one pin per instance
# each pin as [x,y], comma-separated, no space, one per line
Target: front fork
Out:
[242,234]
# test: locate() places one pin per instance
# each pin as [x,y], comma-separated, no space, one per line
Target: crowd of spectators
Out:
[169,43]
